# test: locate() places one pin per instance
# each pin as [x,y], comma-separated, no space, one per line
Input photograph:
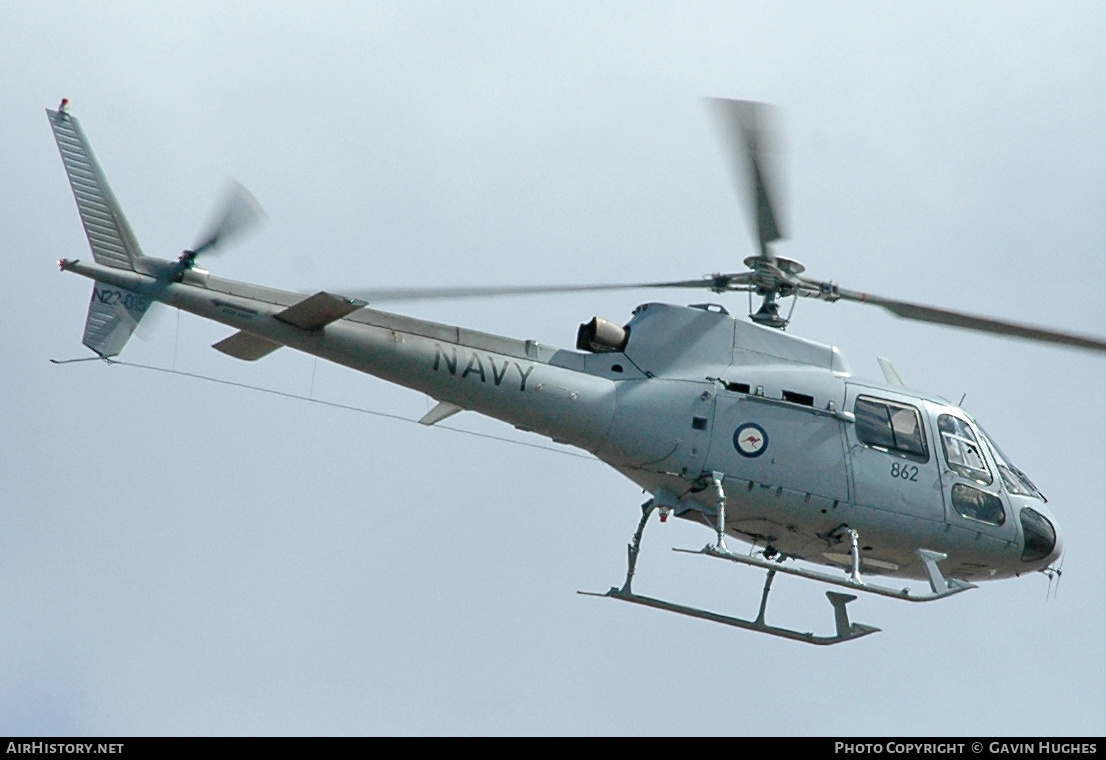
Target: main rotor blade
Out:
[717,283]
[237,212]
[952,318]
[751,133]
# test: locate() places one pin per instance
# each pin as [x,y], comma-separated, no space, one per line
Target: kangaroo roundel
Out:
[750,440]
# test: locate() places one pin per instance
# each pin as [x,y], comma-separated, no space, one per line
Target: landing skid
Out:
[845,630]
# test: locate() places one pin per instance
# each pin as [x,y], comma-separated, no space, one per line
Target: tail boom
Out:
[533,387]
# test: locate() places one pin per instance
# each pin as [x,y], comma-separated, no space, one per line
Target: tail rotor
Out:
[236,214]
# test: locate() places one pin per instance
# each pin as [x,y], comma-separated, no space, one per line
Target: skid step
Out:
[941,587]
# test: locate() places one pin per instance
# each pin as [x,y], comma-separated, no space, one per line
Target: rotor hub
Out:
[785,265]
[769,313]
[772,277]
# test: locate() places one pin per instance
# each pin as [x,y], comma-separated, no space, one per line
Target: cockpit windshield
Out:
[1013,479]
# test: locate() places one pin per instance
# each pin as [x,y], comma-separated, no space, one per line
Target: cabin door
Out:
[894,459]
[779,444]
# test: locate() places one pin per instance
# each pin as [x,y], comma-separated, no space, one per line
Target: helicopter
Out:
[759,435]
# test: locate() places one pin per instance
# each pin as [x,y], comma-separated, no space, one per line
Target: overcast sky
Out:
[183,557]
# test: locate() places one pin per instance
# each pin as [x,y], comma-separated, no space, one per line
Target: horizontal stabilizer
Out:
[312,313]
[109,235]
[247,347]
[318,311]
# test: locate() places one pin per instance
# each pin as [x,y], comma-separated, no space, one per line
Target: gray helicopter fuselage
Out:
[778,416]
[806,450]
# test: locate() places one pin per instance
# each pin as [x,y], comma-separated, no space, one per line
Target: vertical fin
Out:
[442,410]
[109,235]
[112,316]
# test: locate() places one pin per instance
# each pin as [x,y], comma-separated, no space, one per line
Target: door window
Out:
[892,427]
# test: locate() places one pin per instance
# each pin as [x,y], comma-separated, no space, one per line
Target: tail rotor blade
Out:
[238,212]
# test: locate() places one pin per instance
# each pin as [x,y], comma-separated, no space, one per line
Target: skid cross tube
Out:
[634,546]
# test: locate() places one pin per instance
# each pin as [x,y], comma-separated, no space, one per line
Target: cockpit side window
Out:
[962,450]
[892,427]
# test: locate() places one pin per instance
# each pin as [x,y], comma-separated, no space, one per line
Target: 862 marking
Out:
[904,471]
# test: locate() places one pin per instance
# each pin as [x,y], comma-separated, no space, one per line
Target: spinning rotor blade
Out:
[751,133]
[717,283]
[921,313]
[238,212]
